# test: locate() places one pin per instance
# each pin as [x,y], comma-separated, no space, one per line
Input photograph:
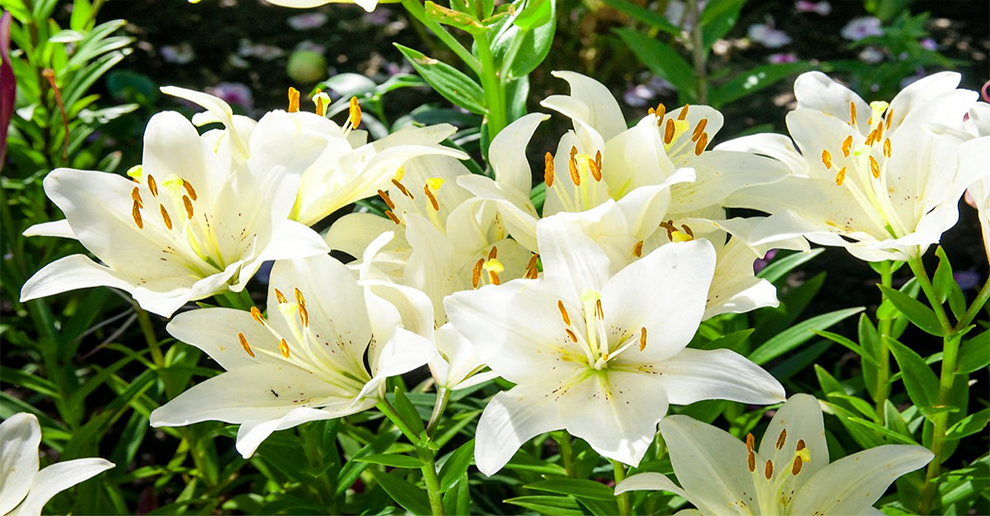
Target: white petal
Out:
[603,112]
[572,262]
[353,232]
[214,330]
[719,174]
[294,240]
[649,482]
[815,90]
[663,292]
[510,419]
[776,146]
[854,483]
[57,228]
[634,158]
[694,375]
[173,146]
[20,436]
[251,434]
[801,416]
[57,478]
[710,464]
[516,208]
[70,273]
[508,153]
[735,288]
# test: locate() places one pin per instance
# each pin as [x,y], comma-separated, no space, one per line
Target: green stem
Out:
[416,10]
[148,330]
[981,299]
[882,389]
[622,499]
[698,53]
[386,408]
[918,268]
[443,396]
[431,479]
[566,452]
[492,85]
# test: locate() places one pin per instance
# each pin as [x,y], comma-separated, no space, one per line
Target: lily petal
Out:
[510,419]
[20,436]
[694,375]
[57,478]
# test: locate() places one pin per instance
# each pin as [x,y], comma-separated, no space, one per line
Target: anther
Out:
[322,101]
[879,132]
[596,171]
[698,129]
[304,316]
[572,168]
[493,253]
[387,199]
[669,226]
[668,131]
[874,168]
[847,146]
[796,468]
[187,204]
[354,114]
[852,113]
[431,197]
[165,218]
[750,454]
[840,176]
[801,445]
[781,439]
[283,346]
[598,159]
[548,169]
[870,138]
[256,314]
[136,197]
[571,334]
[827,158]
[493,277]
[886,148]
[768,470]
[245,345]
[660,112]
[152,185]
[300,299]
[280,297]
[391,216]
[532,261]
[136,213]
[702,142]
[638,249]
[684,112]
[642,338]
[889,117]
[293,100]
[687,229]
[402,188]
[476,272]
[189,189]
[563,313]
[598,310]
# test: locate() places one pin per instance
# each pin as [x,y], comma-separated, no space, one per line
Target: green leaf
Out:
[663,61]
[408,412]
[974,354]
[848,344]
[644,15]
[780,267]
[456,466]
[892,435]
[733,341]
[866,438]
[869,339]
[919,314]
[457,500]
[392,460]
[969,425]
[521,47]
[447,80]
[718,18]
[534,14]
[460,20]
[552,505]
[410,497]
[943,280]
[918,377]
[576,487]
[755,79]
[798,334]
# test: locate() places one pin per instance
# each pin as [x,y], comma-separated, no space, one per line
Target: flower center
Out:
[595,344]
[775,483]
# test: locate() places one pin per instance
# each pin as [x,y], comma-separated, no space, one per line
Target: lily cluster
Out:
[587,303]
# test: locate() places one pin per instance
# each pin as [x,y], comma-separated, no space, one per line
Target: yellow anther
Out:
[402,188]
[781,439]
[136,213]
[841,176]
[391,216]
[827,158]
[660,112]
[596,171]
[300,299]
[283,346]
[531,266]
[165,218]
[280,297]
[872,137]
[435,182]
[135,173]
[888,118]
[293,100]
[598,309]
[548,169]
[322,101]
[699,129]
[304,315]
[874,168]
[638,249]
[684,112]
[190,191]
[700,145]
[187,204]
[750,453]
[476,272]
[768,470]
[354,114]
[387,199]
[563,313]
[493,253]
[879,132]
[796,467]
[431,197]
[256,314]
[668,131]
[572,168]
[493,267]
[642,338]
[847,146]
[886,148]
[152,185]
[598,160]
[571,334]
[245,345]
[852,113]
[136,197]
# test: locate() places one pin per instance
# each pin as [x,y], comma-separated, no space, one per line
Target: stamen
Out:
[840,176]
[781,439]
[280,297]
[532,261]
[392,217]
[300,299]
[493,277]
[596,171]
[283,346]
[256,314]
[165,217]
[801,445]
[598,159]
[548,169]
[684,112]
[571,334]
[563,313]
[698,129]
[354,114]
[660,112]
[152,185]
[642,338]
[493,267]
[699,147]
[847,146]
[872,137]
[322,101]
[401,188]
[476,272]
[387,199]
[750,455]
[668,132]
[852,113]
[187,203]
[245,345]
[493,253]
[293,100]
[768,470]
[572,168]
[304,316]
[687,230]
[669,226]
[886,148]
[638,249]
[889,117]
[796,468]
[874,168]
[598,310]
[431,197]
[189,189]
[136,213]
[136,197]
[135,173]
[827,158]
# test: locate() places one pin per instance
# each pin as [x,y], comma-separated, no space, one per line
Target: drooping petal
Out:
[510,419]
[649,482]
[517,210]
[57,478]
[251,434]
[56,228]
[602,110]
[508,153]
[694,375]
[815,90]
[735,288]
[20,436]
[854,483]
[71,273]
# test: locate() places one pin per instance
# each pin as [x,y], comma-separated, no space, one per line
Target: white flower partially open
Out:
[978,126]
[367,5]
[789,474]
[599,355]
[882,180]
[24,490]
[323,351]
[198,217]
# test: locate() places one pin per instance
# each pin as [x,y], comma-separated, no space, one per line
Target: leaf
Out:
[849,344]
[781,266]
[456,466]
[576,487]
[644,15]
[943,280]
[350,472]
[408,412]
[733,341]
[968,425]
[755,79]
[869,339]
[919,314]
[798,334]
[892,435]
[718,18]
[918,377]
[392,460]
[410,497]
[552,505]
[457,500]
[521,47]
[662,61]
[447,80]
[974,354]
[445,16]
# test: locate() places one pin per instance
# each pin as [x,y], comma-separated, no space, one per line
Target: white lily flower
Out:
[598,355]
[314,357]
[198,217]
[882,180]
[978,126]
[24,490]
[367,5]
[789,474]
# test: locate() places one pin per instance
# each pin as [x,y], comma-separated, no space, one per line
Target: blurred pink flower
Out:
[782,58]
[871,55]
[236,93]
[307,21]
[767,35]
[259,50]
[821,8]
[928,44]
[859,28]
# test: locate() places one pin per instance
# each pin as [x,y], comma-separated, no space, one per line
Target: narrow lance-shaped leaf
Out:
[447,80]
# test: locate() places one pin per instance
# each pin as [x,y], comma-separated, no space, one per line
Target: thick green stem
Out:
[443,396]
[698,53]
[431,479]
[393,415]
[491,83]
[882,389]
[622,499]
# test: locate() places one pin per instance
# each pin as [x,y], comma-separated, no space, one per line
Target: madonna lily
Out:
[367,5]
[882,180]
[24,490]
[598,355]
[789,473]
[197,218]
[315,356]
[978,126]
